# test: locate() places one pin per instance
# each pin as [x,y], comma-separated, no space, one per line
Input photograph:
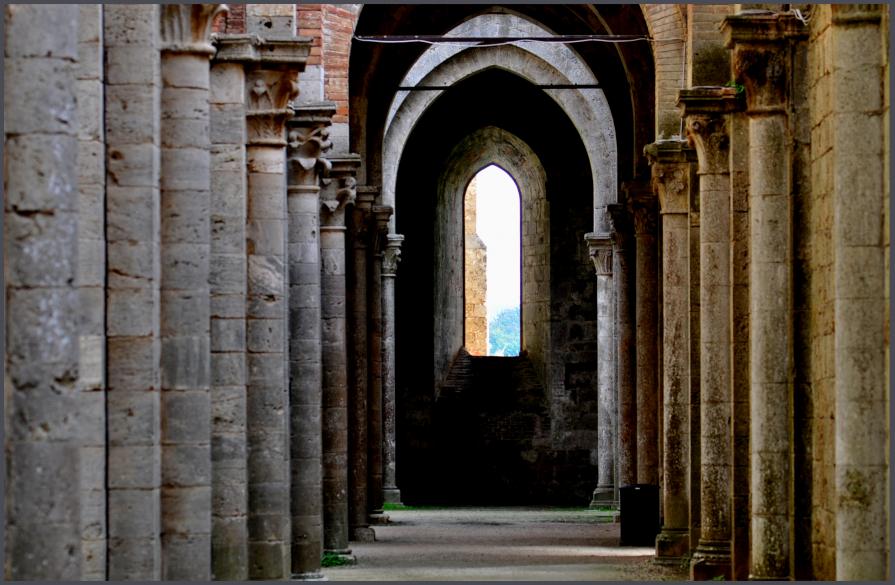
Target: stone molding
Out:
[251,48]
[308,143]
[671,162]
[856,13]
[186,28]
[268,93]
[392,254]
[599,248]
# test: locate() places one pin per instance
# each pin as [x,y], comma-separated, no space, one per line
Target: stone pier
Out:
[229,479]
[359,234]
[381,216]
[860,245]
[309,142]
[600,250]
[391,255]
[673,175]
[270,86]
[705,110]
[622,270]
[646,303]
[44,424]
[340,192]
[132,102]
[185,309]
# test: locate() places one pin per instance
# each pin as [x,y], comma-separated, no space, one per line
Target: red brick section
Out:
[233,22]
[310,24]
[338,27]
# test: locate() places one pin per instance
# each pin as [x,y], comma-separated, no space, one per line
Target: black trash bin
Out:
[639,511]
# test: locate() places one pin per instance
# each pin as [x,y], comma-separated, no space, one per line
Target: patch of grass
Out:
[718,578]
[333,560]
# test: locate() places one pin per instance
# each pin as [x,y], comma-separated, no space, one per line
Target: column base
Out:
[672,546]
[315,576]
[392,495]
[362,534]
[378,518]
[711,561]
[602,497]
[341,556]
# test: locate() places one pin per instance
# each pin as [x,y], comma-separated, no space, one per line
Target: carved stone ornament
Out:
[345,195]
[381,216]
[601,256]
[186,28]
[762,71]
[391,255]
[619,225]
[271,89]
[671,181]
[306,150]
[708,132]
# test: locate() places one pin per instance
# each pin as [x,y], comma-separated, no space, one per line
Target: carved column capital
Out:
[392,254]
[186,28]
[600,251]
[760,57]
[381,216]
[705,110]
[339,190]
[268,93]
[308,143]
[671,163]
[646,218]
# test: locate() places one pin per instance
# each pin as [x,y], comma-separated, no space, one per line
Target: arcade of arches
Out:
[234,261]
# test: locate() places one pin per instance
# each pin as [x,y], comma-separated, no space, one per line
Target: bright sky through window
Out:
[498,224]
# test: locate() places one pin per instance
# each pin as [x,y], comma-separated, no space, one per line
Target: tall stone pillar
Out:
[861,251]
[185,309]
[705,110]
[622,270]
[672,179]
[600,250]
[335,197]
[695,458]
[92,288]
[132,101]
[359,233]
[229,479]
[646,294]
[308,144]
[761,62]
[391,255]
[381,216]
[43,426]
[270,86]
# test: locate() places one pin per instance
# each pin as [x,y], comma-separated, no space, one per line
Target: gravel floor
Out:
[504,544]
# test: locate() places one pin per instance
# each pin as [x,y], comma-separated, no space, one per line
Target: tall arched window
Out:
[492,274]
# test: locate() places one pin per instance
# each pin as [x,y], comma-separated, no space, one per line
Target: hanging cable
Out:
[499,41]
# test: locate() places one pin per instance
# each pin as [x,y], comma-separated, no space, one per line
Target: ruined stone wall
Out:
[476,280]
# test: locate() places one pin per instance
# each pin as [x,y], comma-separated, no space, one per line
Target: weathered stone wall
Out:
[475,276]
[708,61]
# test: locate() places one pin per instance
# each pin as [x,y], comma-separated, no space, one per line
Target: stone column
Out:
[92,288]
[622,239]
[861,262]
[644,208]
[391,255]
[695,459]
[308,144]
[359,233]
[381,215]
[339,193]
[600,250]
[185,309]
[43,426]
[672,178]
[705,110]
[229,474]
[269,88]
[132,101]
[761,62]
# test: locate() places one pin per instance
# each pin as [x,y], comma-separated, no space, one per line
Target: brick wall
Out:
[234,22]
[708,61]
[338,26]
